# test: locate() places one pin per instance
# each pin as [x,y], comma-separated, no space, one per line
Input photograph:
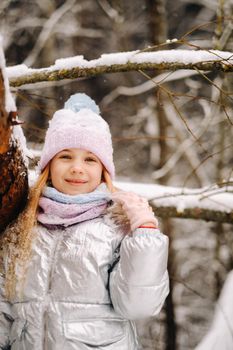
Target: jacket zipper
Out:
[47,296]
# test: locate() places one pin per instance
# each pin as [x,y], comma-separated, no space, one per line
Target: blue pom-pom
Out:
[80,101]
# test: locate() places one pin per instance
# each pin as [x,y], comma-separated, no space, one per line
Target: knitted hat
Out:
[79,125]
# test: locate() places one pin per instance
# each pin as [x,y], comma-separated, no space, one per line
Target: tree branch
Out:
[78,67]
[213,203]
[194,213]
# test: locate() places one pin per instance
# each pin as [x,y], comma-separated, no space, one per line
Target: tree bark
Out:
[194,213]
[5,130]
[158,31]
[13,185]
[13,174]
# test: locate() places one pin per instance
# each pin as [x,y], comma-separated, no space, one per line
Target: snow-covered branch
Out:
[77,66]
[211,203]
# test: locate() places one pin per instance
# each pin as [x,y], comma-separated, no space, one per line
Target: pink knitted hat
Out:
[79,125]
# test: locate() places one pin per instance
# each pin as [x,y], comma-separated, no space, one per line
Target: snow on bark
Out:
[21,142]
[9,101]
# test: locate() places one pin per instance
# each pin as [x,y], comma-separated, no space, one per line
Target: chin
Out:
[74,193]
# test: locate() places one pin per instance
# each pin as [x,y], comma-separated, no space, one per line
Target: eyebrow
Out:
[68,150]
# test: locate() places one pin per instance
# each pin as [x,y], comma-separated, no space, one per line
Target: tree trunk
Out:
[13,185]
[158,32]
[13,174]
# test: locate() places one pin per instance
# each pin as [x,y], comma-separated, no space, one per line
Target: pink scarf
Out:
[55,213]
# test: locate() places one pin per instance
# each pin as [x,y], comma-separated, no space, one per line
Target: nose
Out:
[76,167]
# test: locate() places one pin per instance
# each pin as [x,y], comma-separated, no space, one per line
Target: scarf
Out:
[59,209]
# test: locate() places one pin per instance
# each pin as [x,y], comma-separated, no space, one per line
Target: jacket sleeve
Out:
[139,282]
[5,318]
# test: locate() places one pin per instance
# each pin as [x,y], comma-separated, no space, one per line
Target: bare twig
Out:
[46,31]
[204,160]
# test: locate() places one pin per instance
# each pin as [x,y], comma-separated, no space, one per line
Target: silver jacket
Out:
[84,287]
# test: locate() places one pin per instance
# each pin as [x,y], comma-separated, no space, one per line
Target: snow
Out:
[182,56]
[18,70]
[115,58]
[69,62]
[9,101]
[18,135]
[120,58]
[168,41]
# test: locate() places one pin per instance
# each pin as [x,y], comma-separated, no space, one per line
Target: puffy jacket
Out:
[84,286]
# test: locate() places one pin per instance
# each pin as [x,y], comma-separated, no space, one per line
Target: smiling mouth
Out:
[76,182]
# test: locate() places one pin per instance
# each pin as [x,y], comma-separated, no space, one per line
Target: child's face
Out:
[75,171]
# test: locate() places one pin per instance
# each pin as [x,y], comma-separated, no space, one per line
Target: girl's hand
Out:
[136,208]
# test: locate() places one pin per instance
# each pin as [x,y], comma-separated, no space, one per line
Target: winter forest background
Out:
[169,127]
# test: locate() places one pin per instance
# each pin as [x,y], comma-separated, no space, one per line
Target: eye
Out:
[90,159]
[64,156]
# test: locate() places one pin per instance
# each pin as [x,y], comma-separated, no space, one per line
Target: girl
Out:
[83,260]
